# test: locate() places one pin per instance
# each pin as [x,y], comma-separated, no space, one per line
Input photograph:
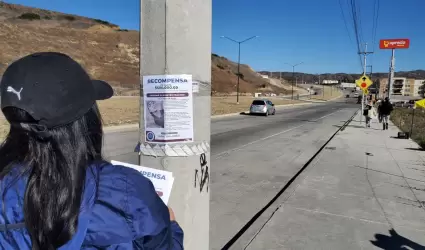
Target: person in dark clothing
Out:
[385,110]
[379,111]
[58,192]
[367,114]
[359,99]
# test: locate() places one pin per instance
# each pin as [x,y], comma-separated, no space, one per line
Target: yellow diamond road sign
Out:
[364,82]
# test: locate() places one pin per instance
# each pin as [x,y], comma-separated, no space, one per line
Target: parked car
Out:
[262,107]
[356,95]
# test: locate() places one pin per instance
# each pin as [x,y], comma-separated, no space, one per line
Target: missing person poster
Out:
[168,108]
[161,180]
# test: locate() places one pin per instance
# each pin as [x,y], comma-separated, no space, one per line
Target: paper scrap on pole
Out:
[168,108]
[161,180]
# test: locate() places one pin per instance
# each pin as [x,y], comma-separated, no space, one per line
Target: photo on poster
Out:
[155,115]
[168,108]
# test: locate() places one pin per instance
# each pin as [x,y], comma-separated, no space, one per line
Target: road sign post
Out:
[175,51]
[364,53]
[363,83]
[393,44]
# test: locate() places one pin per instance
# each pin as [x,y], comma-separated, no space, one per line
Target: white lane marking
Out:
[268,137]
[230,124]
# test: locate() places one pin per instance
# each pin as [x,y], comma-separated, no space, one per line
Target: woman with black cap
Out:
[57,192]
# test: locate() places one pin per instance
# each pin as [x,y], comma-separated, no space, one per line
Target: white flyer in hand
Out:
[161,180]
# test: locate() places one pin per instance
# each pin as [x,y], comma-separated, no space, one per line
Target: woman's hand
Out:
[172,216]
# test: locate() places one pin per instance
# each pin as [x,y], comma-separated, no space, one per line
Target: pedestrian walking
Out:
[57,190]
[379,102]
[367,112]
[385,109]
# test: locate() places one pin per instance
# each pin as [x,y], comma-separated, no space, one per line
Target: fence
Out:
[411,121]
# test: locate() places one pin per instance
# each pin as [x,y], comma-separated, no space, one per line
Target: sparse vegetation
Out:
[30,16]
[68,18]
[402,118]
[123,30]
[47,17]
[220,66]
[104,22]
[241,76]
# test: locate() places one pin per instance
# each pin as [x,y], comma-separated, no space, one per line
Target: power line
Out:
[375,22]
[345,21]
[356,29]
[354,15]
[375,25]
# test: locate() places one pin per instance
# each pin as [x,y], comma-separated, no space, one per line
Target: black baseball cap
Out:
[52,87]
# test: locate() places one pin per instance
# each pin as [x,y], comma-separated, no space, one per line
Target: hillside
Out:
[310,78]
[105,50]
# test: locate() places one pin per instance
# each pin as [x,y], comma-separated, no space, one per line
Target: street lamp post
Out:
[293,74]
[239,60]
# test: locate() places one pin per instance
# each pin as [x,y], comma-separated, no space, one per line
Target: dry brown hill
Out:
[105,50]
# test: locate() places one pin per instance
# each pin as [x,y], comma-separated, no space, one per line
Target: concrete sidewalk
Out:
[366,190]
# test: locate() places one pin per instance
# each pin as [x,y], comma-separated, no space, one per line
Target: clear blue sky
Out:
[290,31]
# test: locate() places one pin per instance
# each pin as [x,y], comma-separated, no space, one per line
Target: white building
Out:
[348,85]
[403,86]
[329,82]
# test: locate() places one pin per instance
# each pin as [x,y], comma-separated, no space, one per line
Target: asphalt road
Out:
[226,133]
[253,157]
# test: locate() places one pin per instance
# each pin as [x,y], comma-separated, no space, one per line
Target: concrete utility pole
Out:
[176,39]
[364,53]
[391,75]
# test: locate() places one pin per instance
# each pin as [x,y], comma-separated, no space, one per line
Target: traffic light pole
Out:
[175,40]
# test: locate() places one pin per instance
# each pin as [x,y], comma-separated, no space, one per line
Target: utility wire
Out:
[356,29]
[375,25]
[345,21]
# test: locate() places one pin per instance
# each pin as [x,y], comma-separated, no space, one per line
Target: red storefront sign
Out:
[394,44]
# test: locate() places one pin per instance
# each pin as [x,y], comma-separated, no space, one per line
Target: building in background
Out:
[402,86]
[330,82]
[348,85]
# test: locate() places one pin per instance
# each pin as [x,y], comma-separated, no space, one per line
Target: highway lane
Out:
[250,164]
[226,132]
[252,157]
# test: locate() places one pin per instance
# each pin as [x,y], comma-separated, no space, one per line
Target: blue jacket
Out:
[120,210]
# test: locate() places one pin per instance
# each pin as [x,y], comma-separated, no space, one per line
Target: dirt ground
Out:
[4,128]
[125,110]
[330,93]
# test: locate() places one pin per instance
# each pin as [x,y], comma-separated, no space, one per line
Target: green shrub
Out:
[30,16]
[221,66]
[103,22]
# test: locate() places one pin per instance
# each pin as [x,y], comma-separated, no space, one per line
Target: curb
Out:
[123,128]
[277,106]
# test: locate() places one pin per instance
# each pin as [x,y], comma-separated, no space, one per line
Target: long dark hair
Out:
[55,163]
